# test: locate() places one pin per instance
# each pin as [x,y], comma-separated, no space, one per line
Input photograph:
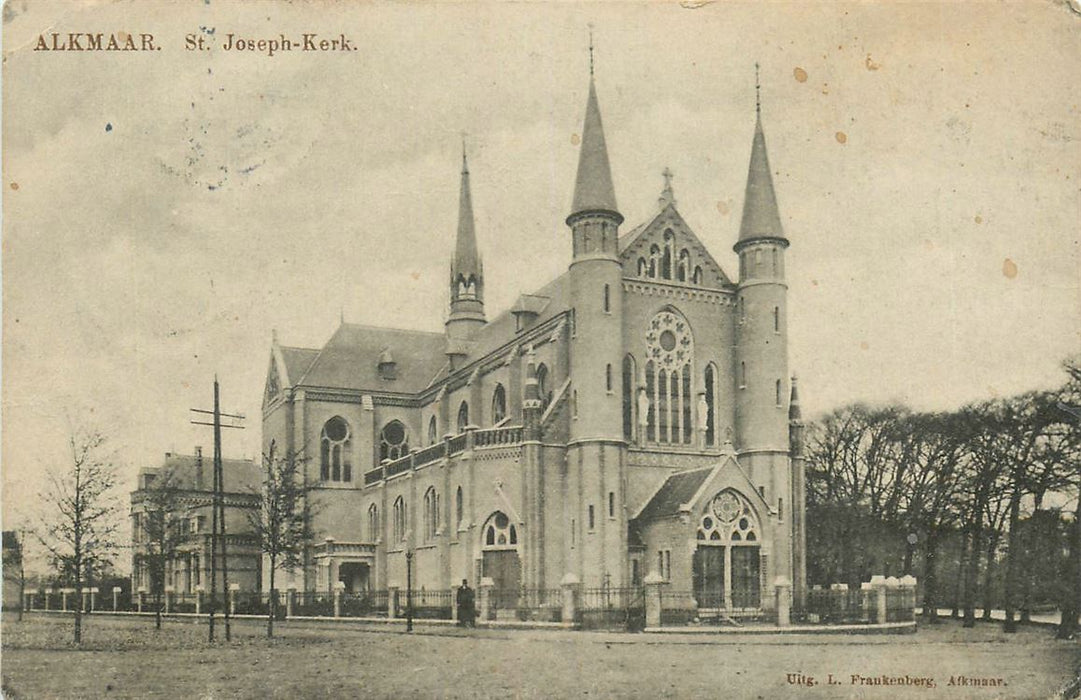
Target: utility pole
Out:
[217,534]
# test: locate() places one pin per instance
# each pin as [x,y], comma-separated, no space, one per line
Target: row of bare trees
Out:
[974,502]
[80,513]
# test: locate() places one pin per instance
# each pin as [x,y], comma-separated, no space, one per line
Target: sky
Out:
[164,212]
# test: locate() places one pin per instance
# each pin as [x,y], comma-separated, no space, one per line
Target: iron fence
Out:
[608,608]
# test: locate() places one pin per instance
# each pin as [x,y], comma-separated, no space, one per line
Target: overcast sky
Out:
[164,211]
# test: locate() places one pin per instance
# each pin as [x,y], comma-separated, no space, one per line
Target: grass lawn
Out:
[127,658]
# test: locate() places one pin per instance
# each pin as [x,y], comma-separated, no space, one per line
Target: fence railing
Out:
[508,435]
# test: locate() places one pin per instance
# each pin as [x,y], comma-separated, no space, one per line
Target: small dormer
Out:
[388,368]
[527,308]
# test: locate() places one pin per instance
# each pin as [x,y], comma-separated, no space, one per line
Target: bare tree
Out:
[79,523]
[1070,404]
[283,522]
[164,524]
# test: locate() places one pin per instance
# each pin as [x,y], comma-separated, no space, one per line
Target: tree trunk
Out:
[1013,562]
[930,578]
[1068,623]
[988,601]
[272,604]
[962,564]
[971,576]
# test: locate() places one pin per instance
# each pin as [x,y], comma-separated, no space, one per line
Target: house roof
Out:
[678,489]
[350,359]
[238,475]
[297,361]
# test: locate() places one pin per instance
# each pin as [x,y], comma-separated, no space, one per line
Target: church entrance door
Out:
[504,568]
[746,581]
[708,573]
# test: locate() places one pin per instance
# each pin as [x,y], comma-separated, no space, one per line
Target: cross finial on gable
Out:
[667,195]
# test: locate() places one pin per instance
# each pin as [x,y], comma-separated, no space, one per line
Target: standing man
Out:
[467,613]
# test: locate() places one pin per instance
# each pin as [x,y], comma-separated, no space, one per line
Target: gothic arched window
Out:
[667,254]
[697,277]
[335,462]
[399,519]
[463,416]
[643,268]
[433,431]
[431,514]
[710,381]
[670,348]
[499,531]
[654,260]
[373,523]
[393,441]
[628,398]
[683,268]
[459,508]
[542,384]
[499,404]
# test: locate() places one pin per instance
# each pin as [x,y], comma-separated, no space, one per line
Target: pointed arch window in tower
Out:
[643,268]
[499,404]
[459,508]
[431,514]
[608,378]
[628,398]
[709,380]
[399,519]
[683,268]
[607,299]
[433,431]
[654,260]
[542,384]
[463,416]
[777,391]
[697,277]
[776,262]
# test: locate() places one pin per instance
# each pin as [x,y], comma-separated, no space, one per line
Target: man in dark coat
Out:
[467,612]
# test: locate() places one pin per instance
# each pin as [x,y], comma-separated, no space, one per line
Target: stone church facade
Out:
[633,416]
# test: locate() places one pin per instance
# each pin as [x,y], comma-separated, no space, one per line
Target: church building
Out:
[634,416]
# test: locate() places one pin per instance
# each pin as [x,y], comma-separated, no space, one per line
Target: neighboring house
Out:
[634,415]
[193,475]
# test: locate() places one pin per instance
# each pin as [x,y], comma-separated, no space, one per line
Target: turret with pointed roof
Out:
[466,270]
[593,189]
[761,217]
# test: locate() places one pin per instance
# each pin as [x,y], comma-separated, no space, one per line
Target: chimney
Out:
[198,467]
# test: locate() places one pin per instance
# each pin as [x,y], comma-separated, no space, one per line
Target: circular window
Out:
[501,520]
[393,442]
[727,507]
[394,433]
[743,523]
[668,341]
[707,522]
[336,430]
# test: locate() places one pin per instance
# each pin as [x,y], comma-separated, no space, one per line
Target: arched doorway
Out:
[726,566]
[500,562]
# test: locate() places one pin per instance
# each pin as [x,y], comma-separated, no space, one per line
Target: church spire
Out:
[593,190]
[467,260]
[466,268]
[761,218]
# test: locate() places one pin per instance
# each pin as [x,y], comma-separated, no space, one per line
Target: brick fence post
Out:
[783,590]
[654,586]
[570,585]
[290,601]
[339,588]
[486,586]
[392,601]
[199,599]
[879,584]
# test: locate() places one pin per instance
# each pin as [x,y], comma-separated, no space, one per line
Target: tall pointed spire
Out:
[466,256]
[466,267]
[593,190]
[761,217]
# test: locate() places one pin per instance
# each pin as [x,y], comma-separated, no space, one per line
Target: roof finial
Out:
[757,91]
[590,49]
[667,195]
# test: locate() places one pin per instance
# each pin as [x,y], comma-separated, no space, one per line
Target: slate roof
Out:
[238,475]
[297,361]
[761,218]
[350,359]
[679,488]
[593,188]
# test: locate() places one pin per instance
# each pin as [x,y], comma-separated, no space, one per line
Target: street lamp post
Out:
[409,590]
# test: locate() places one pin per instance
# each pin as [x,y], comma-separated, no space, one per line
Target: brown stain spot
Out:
[800,75]
[1009,269]
[575,139]
[15,186]
[841,137]
[871,65]
[814,283]
[928,244]
[723,208]
[978,219]
[864,345]
[415,275]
